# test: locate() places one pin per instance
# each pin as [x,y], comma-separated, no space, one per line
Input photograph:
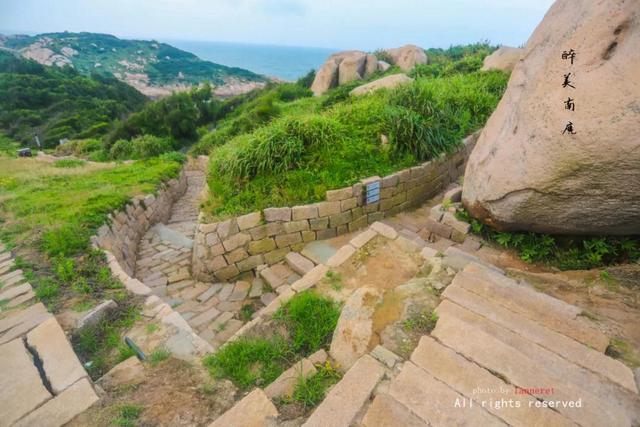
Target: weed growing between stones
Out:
[310,391]
[309,321]
[158,356]
[100,346]
[622,350]
[563,252]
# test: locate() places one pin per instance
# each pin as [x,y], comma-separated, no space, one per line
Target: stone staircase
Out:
[501,354]
[213,310]
[42,382]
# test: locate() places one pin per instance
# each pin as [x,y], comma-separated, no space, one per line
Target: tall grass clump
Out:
[309,320]
[432,116]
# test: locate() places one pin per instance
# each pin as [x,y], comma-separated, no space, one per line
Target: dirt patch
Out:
[382,264]
[174,393]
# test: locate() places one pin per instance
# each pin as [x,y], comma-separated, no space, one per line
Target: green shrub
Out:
[122,149]
[310,320]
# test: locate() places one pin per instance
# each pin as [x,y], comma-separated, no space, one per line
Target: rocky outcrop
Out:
[344,67]
[408,56]
[505,58]
[347,66]
[388,82]
[528,171]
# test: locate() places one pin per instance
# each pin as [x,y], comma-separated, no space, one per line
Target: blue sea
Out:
[284,62]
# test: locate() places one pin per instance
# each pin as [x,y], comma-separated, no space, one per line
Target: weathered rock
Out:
[352,68]
[524,173]
[408,56]
[254,410]
[343,67]
[505,58]
[128,372]
[388,82]
[383,66]
[355,327]
[96,314]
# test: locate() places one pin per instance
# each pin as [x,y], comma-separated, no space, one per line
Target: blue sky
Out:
[342,24]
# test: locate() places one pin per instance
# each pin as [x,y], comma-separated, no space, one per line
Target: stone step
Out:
[435,402]
[537,306]
[466,377]
[59,362]
[523,369]
[566,347]
[299,263]
[385,411]
[21,388]
[286,382]
[63,408]
[582,378]
[346,398]
[254,410]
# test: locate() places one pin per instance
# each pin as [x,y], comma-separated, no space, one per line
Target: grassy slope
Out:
[54,103]
[163,61]
[57,209]
[317,144]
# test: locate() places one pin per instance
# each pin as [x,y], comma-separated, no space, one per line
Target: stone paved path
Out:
[501,354]
[42,382]
[215,310]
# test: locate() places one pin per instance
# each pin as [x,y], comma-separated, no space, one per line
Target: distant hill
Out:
[55,103]
[155,69]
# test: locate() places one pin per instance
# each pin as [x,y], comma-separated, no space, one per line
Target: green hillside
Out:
[91,52]
[55,103]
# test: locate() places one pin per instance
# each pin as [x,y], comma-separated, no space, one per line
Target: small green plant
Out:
[421,323]
[310,391]
[246,312]
[335,280]
[151,328]
[128,415]
[623,351]
[158,356]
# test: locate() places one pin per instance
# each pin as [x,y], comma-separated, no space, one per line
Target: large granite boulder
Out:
[343,67]
[408,56]
[504,58]
[387,82]
[525,173]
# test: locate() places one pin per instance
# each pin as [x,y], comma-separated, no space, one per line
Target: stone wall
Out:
[229,248]
[124,229]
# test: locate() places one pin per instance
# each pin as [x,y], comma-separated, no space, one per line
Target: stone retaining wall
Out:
[124,229]
[227,249]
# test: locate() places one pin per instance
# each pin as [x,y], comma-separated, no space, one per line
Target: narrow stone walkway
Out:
[215,311]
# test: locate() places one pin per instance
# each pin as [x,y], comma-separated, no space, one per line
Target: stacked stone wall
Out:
[124,228]
[226,249]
